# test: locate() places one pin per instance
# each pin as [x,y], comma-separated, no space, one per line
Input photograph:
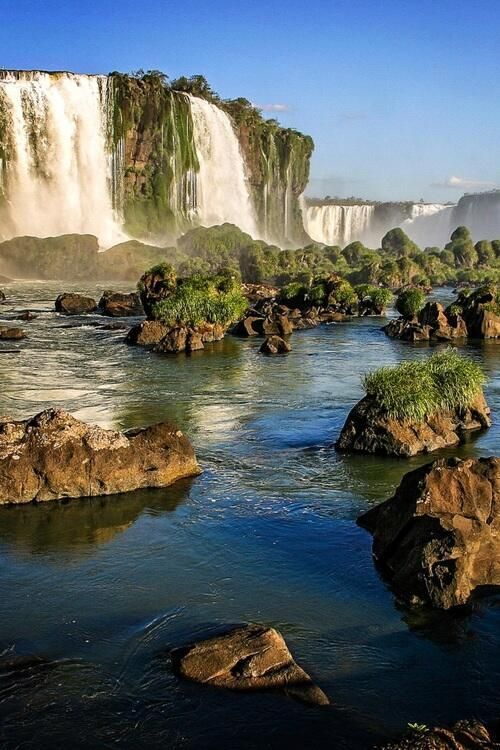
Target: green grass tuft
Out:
[415,390]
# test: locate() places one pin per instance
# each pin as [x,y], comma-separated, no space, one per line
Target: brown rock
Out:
[117,305]
[75,304]
[368,429]
[285,326]
[275,345]
[11,334]
[194,341]
[250,657]
[245,327]
[438,538]
[174,341]
[147,333]
[465,735]
[53,455]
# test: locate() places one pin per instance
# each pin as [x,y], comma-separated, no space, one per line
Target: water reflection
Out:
[74,526]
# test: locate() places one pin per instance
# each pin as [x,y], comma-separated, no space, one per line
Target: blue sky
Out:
[400,97]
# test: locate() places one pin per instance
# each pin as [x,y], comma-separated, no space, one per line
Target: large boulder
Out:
[53,455]
[11,334]
[465,735]
[275,345]
[368,429]
[118,305]
[437,539]
[147,333]
[69,303]
[250,657]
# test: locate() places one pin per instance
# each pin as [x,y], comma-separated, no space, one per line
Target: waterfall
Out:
[223,192]
[338,224]
[58,172]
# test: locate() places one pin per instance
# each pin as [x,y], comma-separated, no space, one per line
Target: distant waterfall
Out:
[58,175]
[223,193]
[333,224]
[338,225]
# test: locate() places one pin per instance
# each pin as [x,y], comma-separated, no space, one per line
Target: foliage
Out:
[199,299]
[409,302]
[416,390]
[398,244]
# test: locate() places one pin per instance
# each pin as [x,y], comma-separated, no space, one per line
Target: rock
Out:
[245,327]
[2,296]
[147,333]
[174,341]
[194,341]
[250,657]
[285,326]
[368,429]
[480,310]
[465,735]
[117,305]
[53,455]
[275,345]
[25,315]
[75,304]
[407,330]
[438,538]
[11,334]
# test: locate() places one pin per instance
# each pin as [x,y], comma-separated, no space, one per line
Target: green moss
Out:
[199,299]
[416,390]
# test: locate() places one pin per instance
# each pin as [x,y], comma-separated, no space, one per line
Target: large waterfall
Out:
[337,224]
[223,193]
[57,172]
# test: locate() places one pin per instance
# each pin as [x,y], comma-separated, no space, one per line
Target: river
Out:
[99,590]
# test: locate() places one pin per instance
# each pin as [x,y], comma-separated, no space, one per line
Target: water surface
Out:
[98,590]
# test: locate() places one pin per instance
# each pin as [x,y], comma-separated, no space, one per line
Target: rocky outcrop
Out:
[11,334]
[465,735]
[368,429]
[250,657]
[53,455]
[475,315]
[275,345]
[167,339]
[118,305]
[69,303]
[437,539]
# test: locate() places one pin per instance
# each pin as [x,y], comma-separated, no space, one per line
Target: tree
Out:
[397,243]
[410,302]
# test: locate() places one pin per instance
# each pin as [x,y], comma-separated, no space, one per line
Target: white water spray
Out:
[223,192]
[59,179]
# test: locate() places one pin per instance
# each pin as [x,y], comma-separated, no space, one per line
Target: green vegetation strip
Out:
[416,390]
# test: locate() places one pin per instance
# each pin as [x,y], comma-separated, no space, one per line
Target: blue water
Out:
[101,589]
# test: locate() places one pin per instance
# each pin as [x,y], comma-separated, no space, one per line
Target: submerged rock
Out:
[275,345]
[75,304]
[118,305]
[147,333]
[25,315]
[2,296]
[465,735]
[250,657]
[437,539]
[368,429]
[53,455]
[11,334]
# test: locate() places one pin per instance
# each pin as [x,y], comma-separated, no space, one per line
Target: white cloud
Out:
[273,107]
[462,183]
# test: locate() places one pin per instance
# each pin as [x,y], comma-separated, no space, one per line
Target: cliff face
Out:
[156,161]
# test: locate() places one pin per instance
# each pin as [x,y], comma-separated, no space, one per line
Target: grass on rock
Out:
[416,390]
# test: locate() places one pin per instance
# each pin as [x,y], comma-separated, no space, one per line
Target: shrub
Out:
[397,243]
[415,390]
[200,299]
[409,302]
[316,295]
[293,292]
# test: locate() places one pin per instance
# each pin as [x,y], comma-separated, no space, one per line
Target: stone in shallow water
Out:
[368,429]
[249,657]
[438,538]
[53,455]
[11,334]
[69,303]
[275,345]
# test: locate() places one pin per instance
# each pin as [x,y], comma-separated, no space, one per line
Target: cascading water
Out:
[336,224]
[223,193]
[58,171]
